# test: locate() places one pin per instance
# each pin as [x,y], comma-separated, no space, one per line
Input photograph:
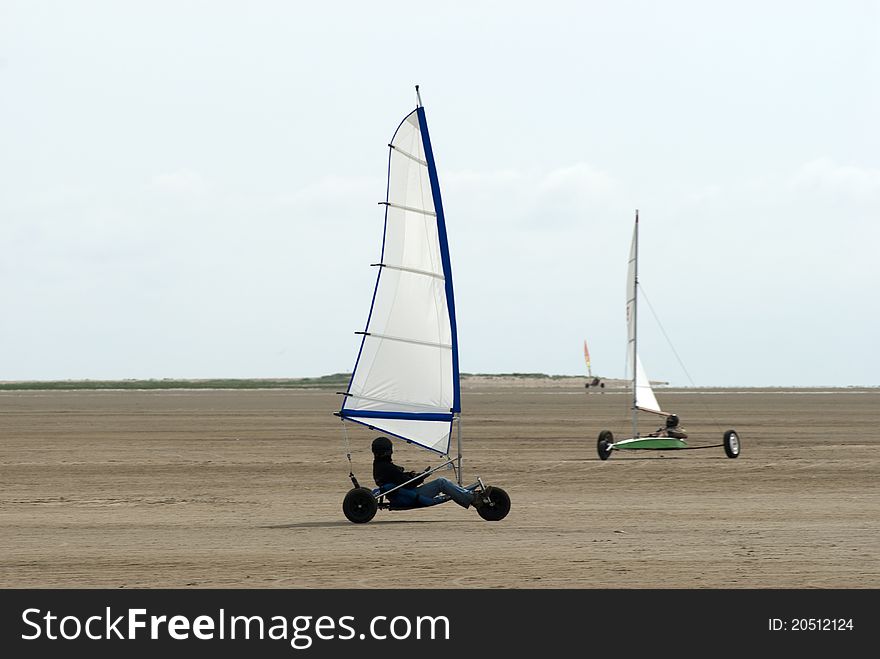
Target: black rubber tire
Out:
[606,438]
[492,504]
[359,505]
[732,444]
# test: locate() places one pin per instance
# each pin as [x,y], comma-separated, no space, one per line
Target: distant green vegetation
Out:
[335,381]
[534,376]
[325,381]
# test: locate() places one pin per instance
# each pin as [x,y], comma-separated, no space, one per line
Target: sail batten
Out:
[411,209]
[386,402]
[408,340]
[405,380]
[412,270]
[409,155]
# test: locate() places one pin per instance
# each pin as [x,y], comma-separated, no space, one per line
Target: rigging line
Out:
[666,336]
[408,208]
[347,445]
[351,476]
[625,413]
[675,352]
[625,416]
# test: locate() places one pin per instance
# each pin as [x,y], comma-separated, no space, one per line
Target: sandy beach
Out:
[133,489]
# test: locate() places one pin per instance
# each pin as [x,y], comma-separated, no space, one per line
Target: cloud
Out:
[538,254]
[552,198]
[335,200]
[183,182]
[580,181]
[828,178]
[703,195]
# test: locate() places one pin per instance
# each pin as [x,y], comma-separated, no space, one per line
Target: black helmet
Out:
[382,446]
[672,420]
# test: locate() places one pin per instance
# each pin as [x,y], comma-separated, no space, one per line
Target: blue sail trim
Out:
[381,259]
[409,416]
[373,426]
[444,254]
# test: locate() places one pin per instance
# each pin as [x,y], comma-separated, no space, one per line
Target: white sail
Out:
[645,399]
[406,381]
[643,395]
[631,293]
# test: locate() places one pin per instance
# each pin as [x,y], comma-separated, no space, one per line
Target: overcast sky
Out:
[188,189]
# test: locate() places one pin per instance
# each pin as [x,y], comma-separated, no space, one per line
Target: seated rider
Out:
[671,429]
[385,472]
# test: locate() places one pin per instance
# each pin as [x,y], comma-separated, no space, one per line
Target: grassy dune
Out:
[338,381]
[325,381]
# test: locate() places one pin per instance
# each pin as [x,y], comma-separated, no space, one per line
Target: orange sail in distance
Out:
[587,359]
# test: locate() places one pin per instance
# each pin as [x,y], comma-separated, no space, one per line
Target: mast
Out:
[444,254]
[458,473]
[635,294]
[444,259]
[447,272]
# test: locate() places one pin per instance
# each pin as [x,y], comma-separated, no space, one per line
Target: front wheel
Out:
[359,505]
[731,444]
[603,446]
[492,504]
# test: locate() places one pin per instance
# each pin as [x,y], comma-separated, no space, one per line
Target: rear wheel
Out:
[359,505]
[731,444]
[603,446]
[492,504]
